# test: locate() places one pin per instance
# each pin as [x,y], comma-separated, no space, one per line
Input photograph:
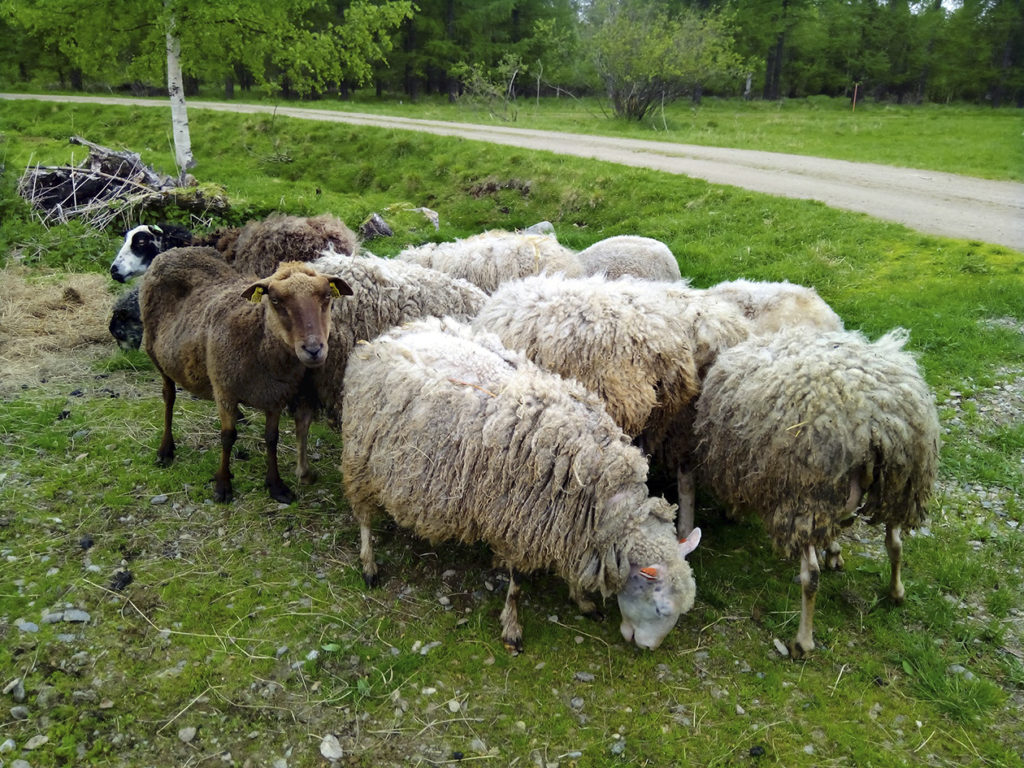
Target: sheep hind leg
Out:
[303,420]
[809,573]
[279,491]
[894,546]
[511,632]
[165,453]
[370,575]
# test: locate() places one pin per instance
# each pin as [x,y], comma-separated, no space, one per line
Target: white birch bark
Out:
[179,112]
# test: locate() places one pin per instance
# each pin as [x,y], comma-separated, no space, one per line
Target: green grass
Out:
[250,621]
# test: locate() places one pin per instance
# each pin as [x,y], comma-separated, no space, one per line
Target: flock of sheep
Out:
[505,389]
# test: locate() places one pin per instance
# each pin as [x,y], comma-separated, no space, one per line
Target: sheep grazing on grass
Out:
[491,258]
[461,439]
[633,255]
[810,430]
[771,306]
[226,338]
[640,345]
[261,245]
[386,293]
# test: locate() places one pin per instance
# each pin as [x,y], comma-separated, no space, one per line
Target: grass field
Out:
[243,635]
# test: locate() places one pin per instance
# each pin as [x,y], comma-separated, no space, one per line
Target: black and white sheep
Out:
[460,439]
[231,339]
[491,258]
[810,429]
[142,244]
[633,255]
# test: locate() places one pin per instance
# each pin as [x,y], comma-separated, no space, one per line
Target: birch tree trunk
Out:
[179,112]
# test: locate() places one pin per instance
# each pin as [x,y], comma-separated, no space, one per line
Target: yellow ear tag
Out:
[335,292]
[257,294]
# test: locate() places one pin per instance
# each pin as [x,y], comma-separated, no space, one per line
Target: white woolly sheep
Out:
[495,257]
[810,429]
[386,293]
[209,330]
[461,439]
[771,306]
[642,257]
[640,345]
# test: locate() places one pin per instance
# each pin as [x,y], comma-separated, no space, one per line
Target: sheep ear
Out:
[340,288]
[651,573]
[253,293]
[687,545]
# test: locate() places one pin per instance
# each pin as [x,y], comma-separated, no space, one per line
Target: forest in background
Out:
[637,53]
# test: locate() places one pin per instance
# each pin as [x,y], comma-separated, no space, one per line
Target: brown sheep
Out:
[210,331]
[261,245]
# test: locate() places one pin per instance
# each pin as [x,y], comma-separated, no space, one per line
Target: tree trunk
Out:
[179,112]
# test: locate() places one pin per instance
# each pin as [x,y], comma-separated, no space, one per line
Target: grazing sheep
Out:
[261,245]
[142,244]
[495,257]
[211,331]
[639,345]
[810,429]
[461,439]
[775,305]
[642,257]
[386,293]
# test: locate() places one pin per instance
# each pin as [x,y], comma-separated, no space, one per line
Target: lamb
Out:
[461,439]
[387,293]
[772,306]
[494,257]
[642,257]
[263,244]
[810,429]
[640,345]
[209,330]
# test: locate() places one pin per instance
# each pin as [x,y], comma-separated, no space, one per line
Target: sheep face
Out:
[299,308]
[141,244]
[655,596]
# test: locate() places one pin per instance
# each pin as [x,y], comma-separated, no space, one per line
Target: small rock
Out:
[187,734]
[160,498]
[21,764]
[454,706]
[15,689]
[780,647]
[36,742]
[809,749]
[330,747]
[86,541]
[584,677]
[76,616]
[26,626]
[740,710]
[757,751]
[576,702]
[19,712]
[478,745]
[7,746]
[619,747]
[959,669]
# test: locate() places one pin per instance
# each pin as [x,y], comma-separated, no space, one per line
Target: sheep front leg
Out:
[894,546]
[279,491]
[222,491]
[303,420]
[366,551]
[165,453]
[687,493]
[587,606]
[804,641]
[511,632]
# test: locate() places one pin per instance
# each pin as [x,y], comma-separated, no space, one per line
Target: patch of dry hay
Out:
[52,325]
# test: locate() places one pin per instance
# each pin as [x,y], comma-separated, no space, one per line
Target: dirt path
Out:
[929,201]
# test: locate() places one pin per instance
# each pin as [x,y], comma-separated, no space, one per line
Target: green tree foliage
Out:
[647,55]
[299,46]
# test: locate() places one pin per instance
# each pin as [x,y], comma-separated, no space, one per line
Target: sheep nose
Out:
[114,273]
[313,347]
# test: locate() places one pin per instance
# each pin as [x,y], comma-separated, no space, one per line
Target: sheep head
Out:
[299,308]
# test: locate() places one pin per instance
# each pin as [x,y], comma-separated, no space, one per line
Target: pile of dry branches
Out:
[108,187]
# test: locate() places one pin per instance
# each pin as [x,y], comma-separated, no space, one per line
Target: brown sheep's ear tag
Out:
[335,292]
[257,295]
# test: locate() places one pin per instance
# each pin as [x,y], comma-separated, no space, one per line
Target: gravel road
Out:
[929,201]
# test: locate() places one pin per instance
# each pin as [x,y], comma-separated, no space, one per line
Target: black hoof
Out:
[371,579]
[594,615]
[281,493]
[514,645]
